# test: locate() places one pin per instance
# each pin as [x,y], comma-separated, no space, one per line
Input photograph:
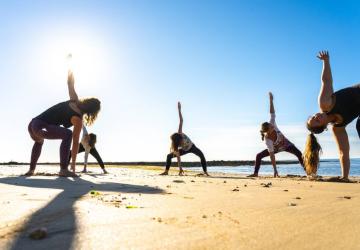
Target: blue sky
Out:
[220,58]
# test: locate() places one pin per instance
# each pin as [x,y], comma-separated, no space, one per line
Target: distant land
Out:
[218,163]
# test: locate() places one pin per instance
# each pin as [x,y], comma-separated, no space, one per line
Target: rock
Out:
[298,198]
[347,197]
[285,190]
[245,185]
[38,234]
[224,181]
[204,216]
[292,204]
[235,190]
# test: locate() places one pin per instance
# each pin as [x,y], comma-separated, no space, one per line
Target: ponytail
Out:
[311,155]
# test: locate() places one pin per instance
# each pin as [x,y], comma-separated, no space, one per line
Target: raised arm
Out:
[326,91]
[272,109]
[180,118]
[71,88]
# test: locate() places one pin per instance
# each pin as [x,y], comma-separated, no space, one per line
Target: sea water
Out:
[327,168]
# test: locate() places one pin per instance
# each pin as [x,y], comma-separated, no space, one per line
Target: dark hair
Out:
[316,130]
[176,140]
[311,155]
[92,140]
[90,108]
[264,128]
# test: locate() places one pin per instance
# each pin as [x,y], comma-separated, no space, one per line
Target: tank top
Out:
[186,143]
[59,114]
[347,104]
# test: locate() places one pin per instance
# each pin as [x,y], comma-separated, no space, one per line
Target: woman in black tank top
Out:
[54,123]
[338,108]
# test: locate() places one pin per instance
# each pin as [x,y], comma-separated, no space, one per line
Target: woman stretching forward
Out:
[275,141]
[53,124]
[338,108]
[87,145]
[181,145]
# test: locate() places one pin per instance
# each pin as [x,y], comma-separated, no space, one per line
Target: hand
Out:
[70,80]
[276,174]
[73,166]
[271,96]
[323,55]
[179,105]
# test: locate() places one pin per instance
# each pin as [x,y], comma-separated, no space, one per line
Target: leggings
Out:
[94,153]
[358,126]
[291,149]
[193,150]
[40,130]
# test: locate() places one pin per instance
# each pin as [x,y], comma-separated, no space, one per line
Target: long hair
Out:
[92,140]
[311,155]
[176,139]
[316,130]
[90,108]
[264,128]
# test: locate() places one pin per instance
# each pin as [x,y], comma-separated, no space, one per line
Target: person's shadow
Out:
[58,215]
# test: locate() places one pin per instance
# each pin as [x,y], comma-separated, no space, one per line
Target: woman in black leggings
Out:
[181,145]
[87,145]
[338,108]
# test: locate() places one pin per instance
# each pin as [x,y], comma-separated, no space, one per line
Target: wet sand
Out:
[135,208]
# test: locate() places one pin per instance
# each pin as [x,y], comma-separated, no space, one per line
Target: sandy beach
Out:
[135,208]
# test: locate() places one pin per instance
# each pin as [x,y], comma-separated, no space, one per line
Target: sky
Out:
[219,58]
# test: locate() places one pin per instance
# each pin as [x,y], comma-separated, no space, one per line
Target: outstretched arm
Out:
[272,109]
[342,141]
[180,118]
[71,88]
[326,91]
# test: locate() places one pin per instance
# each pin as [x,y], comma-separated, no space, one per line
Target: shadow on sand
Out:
[58,215]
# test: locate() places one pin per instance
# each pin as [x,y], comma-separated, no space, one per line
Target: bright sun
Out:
[86,61]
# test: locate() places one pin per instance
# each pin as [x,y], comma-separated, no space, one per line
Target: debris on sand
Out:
[267,185]
[204,216]
[245,185]
[292,204]
[159,220]
[38,234]
[131,207]
[178,181]
[298,198]
[347,197]
[192,181]
[94,192]
[224,181]
[285,190]
[235,190]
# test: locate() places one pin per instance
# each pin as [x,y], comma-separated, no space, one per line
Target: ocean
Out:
[327,168]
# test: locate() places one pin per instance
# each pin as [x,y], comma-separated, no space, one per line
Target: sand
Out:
[134,208]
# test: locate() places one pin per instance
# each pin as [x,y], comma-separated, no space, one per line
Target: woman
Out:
[54,123]
[275,141]
[339,109]
[181,145]
[88,146]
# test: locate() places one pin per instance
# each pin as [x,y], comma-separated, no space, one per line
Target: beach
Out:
[135,208]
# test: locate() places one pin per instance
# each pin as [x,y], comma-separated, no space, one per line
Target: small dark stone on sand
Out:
[285,190]
[192,181]
[298,198]
[292,204]
[347,197]
[235,190]
[224,181]
[204,216]
[245,185]
[38,234]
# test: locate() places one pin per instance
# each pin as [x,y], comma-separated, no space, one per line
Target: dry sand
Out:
[133,208]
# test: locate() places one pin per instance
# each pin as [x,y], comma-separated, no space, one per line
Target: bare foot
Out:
[253,175]
[29,173]
[67,173]
[181,172]
[206,173]
[84,171]
[105,172]
[165,173]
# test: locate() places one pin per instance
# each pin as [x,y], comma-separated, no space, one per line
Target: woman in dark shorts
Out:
[275,141]
[181,145]
[54,124]
[338,108]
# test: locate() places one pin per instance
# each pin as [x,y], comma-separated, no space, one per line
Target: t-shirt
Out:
[281,143]
[186,143]
[85,144]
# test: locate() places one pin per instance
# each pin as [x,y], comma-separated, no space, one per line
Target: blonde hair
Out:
[311,155]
